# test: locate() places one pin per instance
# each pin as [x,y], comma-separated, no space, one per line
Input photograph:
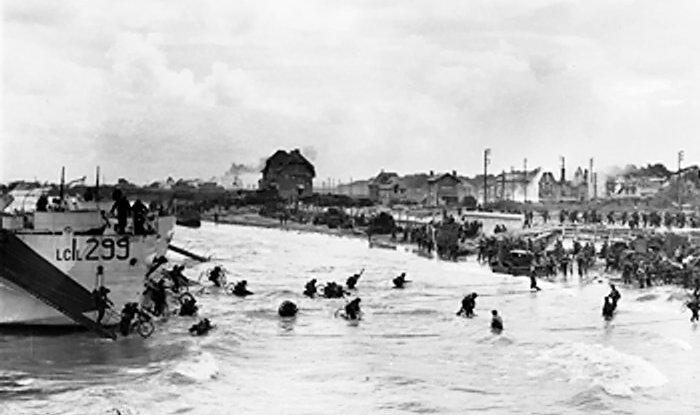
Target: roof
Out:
[444,176]
[384,178]
[281,158]
[520,175]
[548,175]
[415,181]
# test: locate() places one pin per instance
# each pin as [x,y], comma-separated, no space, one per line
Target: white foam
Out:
[136,370]
[616,372]
[25,381]
[199,368]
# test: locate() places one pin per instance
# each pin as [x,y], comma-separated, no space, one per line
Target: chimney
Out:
[454,173]
[563,170]
[431,173]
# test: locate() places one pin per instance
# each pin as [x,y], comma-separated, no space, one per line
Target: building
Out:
[516,185]
[211,187]
[445,189]
[477,184]
[387,188]
[548,187]
[417,188]
[638,182]
[562,190]
[291,174]
[449,189]
[636,187]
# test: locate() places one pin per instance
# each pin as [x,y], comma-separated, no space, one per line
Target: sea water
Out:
[409,354]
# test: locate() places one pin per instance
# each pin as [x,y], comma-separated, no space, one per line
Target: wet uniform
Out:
[496,324]
[608,309]
[533,281]
[399,281]
[310,288]
[352,309]
[614,296]
[241,290]
[694,308]
[468,304]
[352,281]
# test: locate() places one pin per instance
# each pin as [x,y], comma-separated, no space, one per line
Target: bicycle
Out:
[140,321]
[143,325]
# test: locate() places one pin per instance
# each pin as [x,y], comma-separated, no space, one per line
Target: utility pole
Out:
[503,185]
[513,183]
[487,153]
[680,177]
[595,186]
[63,183]
[590,178]
[525,180]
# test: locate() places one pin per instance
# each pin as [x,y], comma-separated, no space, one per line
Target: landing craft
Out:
[188,215]
[49,261]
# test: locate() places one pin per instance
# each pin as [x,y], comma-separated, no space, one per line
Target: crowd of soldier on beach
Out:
[634,219]
[644,262]
[545,263]
[424,237]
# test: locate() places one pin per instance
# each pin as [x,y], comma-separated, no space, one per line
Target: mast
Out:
[97,184]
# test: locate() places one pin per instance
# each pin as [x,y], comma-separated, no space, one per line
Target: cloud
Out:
[149,89]
[37,12]
[140,69]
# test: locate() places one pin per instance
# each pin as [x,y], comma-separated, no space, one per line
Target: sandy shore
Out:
[254,219]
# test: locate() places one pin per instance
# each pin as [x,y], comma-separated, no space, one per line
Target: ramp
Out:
[187,253]
[27,269]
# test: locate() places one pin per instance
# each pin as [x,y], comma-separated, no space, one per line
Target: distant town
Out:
[289,176]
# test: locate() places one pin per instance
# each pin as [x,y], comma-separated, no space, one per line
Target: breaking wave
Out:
[605,367]
[199,368]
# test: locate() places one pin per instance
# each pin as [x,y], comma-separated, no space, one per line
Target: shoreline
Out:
[257,221]
[253,219]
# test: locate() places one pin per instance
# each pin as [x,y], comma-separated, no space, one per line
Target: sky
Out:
[151,89]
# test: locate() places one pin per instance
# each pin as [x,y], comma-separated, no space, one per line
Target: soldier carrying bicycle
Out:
[142,323]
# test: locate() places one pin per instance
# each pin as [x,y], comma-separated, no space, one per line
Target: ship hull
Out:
[125,260]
